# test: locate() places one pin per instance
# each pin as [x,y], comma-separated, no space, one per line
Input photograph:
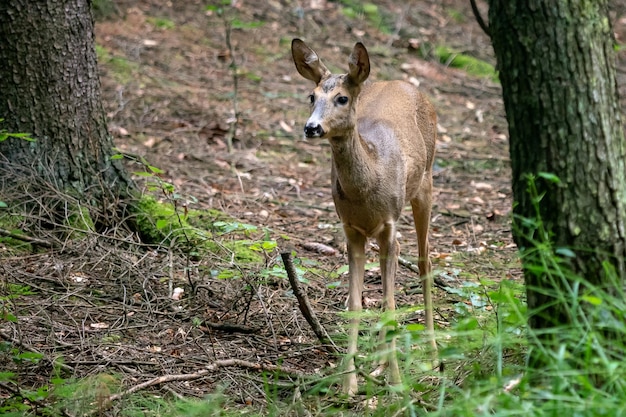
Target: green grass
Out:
[372,13]
[161,22]
[485,348]
[470,64]
[484,351]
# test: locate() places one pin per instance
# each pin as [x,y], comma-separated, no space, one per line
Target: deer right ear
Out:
[359,64]
[307,62]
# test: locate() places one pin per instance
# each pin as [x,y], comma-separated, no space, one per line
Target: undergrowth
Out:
[484,351]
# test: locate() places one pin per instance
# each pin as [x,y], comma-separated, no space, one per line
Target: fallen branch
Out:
[25,238]
[413,267]
[305,306]
[229,327]
[106,404]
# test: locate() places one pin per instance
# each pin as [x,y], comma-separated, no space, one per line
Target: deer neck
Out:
[353,172]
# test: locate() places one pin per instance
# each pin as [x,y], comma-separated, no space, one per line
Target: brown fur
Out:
[383,145]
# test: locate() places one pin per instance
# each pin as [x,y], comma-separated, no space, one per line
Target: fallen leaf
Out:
[285,126]
[177,294]
[149,143]
[482,186]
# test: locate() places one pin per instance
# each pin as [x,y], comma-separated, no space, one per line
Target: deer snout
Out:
[313,130]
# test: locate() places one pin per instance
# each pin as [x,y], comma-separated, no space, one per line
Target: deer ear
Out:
[359,64]
[307,62]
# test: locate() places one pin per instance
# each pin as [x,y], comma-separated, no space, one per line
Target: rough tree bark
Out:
[51,89]
[557,68]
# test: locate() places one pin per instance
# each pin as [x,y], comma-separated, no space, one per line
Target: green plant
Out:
[581,373]
[230,21]
[5,134]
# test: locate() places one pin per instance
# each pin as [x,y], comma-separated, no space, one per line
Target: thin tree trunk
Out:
[51,89]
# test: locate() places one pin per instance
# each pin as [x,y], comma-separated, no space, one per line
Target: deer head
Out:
[333,100]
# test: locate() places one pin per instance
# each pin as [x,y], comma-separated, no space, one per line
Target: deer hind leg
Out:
[388,265]
[356,264]
[421,206]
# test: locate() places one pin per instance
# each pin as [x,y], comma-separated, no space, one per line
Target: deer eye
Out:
[312,98]
[342,100]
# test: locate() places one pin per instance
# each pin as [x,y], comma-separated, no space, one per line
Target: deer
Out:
[382,138]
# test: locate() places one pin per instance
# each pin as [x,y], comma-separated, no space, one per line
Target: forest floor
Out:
[170,96]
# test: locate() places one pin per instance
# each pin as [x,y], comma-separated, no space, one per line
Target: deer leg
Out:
[388,265]
[356,264]
[421,206]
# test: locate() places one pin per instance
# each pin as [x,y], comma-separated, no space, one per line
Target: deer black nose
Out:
[313,131]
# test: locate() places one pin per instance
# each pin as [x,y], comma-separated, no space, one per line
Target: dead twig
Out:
[26,347]
[305,306]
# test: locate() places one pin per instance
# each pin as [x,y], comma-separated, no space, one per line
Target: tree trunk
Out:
[557,69]
[51,89]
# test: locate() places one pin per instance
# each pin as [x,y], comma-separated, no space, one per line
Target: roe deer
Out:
[382,136]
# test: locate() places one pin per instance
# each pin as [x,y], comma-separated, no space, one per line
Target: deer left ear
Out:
[359,64]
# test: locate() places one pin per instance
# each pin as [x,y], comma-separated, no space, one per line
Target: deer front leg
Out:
[356,265]
[388,264]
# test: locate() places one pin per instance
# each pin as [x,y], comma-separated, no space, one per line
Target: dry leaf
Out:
[285,126]
[149,143]
[370,302]
[482,186]
[221,163]
[177,294]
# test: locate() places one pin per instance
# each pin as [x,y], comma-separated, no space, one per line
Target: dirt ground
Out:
[168,89]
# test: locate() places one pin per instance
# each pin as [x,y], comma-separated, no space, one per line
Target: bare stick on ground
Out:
[305,306]
[200,374]
[25,238]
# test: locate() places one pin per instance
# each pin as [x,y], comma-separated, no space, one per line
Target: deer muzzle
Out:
[313,130]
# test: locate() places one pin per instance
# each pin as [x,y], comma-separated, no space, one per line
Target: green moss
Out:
[161,22]
[456,15]
[203,230]
[12,223]
[121,68]
[80,221]
[160,222]
[468,63]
